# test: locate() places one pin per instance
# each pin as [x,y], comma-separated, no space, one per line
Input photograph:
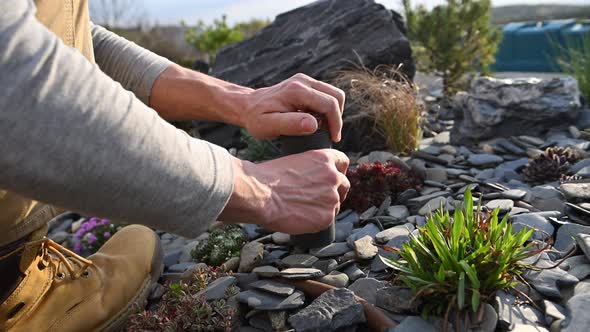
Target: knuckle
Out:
[320,155]
[332,178]
[296,86]
[341,94]
[327,220]
[300,76]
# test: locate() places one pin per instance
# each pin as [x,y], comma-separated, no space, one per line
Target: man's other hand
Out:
[296,194]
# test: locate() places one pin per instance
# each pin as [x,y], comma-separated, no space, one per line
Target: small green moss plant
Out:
[180,309]
[575,61]
[258,150]
[458,262]
[222,244]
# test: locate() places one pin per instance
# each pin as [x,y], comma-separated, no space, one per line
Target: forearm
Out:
[75,138]
[183,94]
[127,63]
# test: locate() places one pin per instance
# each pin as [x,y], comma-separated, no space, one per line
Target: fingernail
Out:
[308,125]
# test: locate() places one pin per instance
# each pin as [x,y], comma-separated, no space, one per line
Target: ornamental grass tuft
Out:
[389,98]
[457,262]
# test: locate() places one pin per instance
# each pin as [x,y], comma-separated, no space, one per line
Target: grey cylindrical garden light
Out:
[298,144]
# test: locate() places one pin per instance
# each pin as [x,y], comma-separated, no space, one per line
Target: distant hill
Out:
[518,13]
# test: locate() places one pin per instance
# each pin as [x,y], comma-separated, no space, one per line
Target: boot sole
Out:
[120,319]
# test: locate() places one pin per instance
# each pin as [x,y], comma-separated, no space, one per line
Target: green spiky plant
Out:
[575,61]
[458,262]
[222,244]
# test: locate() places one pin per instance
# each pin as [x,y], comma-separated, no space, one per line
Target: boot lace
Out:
[55,254]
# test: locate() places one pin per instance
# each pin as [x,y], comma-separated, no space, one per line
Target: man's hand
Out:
[283,109]
[296,194]
[183,94]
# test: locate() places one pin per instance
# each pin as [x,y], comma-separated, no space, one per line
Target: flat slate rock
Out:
[265,301]
[484,159]
[218,288]
[399,212]
[515,194]
[331,250]
[273,287]
[370,230]
[299,260]
[366,288]
[343,231]
[565,239]
[504,205]
[326,265]
[301,273]
[414,324]
[393,232]
[510,314]
[266,271]
[418,202]
[548,282]
[578,319]
[334,310]
[543,228]
[575,192]
[354,272]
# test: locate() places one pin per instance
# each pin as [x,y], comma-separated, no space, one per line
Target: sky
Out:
[172,11]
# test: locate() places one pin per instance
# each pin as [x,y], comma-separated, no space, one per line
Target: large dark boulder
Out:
[319,40]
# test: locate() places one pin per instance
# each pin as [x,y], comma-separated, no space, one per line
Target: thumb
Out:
[273,125]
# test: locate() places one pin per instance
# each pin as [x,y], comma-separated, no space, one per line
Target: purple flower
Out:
[104,222]
[91,238]
[107,234]
[78,247]
[80,232]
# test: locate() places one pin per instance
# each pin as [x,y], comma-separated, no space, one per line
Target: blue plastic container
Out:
[533,46]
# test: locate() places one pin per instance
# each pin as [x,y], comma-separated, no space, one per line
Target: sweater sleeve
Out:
[74,137]
[127,63]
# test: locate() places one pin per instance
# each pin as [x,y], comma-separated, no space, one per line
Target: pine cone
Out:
[551,165]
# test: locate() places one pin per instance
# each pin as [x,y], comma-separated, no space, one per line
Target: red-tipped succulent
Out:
[371,183]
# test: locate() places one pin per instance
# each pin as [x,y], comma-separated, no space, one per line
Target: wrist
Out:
[249,200]
[183,94]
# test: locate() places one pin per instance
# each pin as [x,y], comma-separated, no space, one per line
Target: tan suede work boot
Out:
[61,291]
